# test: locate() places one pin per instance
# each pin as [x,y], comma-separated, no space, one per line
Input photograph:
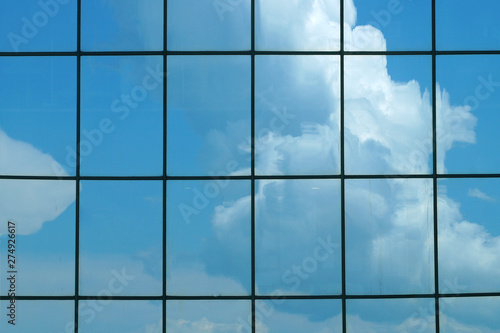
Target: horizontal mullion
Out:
[242,52]
[249,297]
[248,177]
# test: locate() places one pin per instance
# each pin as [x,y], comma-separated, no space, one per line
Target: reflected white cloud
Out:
[31,203]
[477,193]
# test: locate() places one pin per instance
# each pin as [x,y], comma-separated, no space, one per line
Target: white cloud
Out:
[477,193]
[195,281]
[31,203]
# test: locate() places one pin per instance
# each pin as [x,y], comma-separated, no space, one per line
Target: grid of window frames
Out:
[249,166]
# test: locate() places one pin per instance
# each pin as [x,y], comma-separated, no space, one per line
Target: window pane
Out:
[121,237]
[122,116]
[297,25]
[297,115]
[118,25]
[29,26]
[389,236]
[37,115]
[466,25]
[467,114]
[208,25]
[391,315]
[104,316]
[297,316]
[388,25]
[469,314]
[208,117]
[388,115]
[208,237]
[297,237]
[38,316]
[44,216]
[469,235]
[196,316]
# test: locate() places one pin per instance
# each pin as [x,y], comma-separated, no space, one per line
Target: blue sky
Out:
[388,128]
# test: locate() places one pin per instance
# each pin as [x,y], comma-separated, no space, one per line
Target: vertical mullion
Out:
[252,155]
[434,167]
[77,180]
[164,202]
[342,171]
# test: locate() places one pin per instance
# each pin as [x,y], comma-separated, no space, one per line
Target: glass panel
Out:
[208,25]
[297,25]
[39,217]
[37,115]
[46,25]
[389,236]
[297,316]
[297,237]
[380,25]
[121,237]
[468,114]
[469,235]
[297,115]
[37,316]
[117,25]
[391,315]
[104,316]
[122,116]
[220,316]
[466,25]
[388,115]
[208,121]
[208,237]
[469,314]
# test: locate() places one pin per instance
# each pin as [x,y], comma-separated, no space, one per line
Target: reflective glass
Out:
[389,236]
[121,116]
[469,314]
[38,316]
[208,25]
[217,316]
[45,25]
[127,316]
[37,115]
[208,115]
[391,315]
[468,117]
[388,25]
[297,25]
[297,115]
[121,237]
[297,237]
[388,115]
[208,237]
[122,25]
[467,25]
[42,250]
[297,316]
[469,235]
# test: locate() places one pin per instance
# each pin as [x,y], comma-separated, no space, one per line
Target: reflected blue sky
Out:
[388,128]
[464,25]
[31,26]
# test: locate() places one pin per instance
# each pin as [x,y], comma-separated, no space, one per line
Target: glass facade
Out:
[249,166]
